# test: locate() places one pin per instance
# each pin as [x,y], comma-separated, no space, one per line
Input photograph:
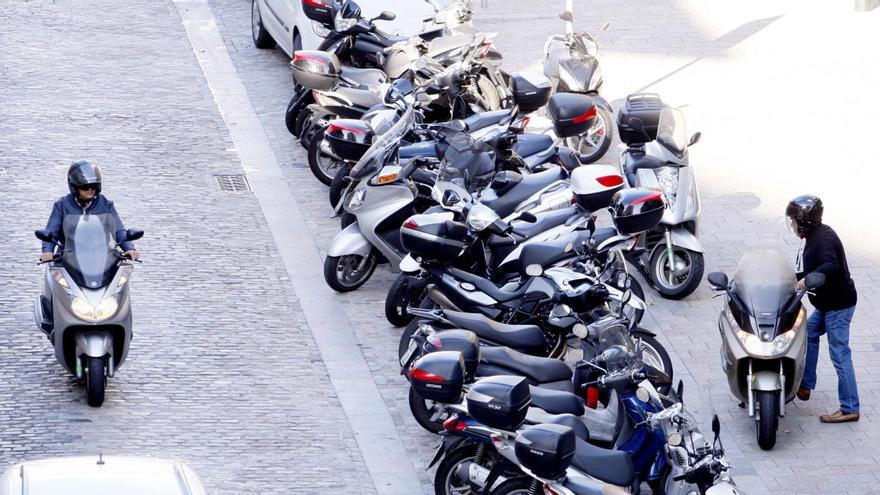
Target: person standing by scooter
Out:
[834,302]
[84,183]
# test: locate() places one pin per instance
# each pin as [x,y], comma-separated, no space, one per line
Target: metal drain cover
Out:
[233,183]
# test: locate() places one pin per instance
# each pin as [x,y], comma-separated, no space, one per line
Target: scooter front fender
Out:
[94,343]
[766,381]
[350,241]
[682,237]
[725,488]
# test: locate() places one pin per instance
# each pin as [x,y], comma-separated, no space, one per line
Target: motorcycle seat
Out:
[530,144]
[521,336]
[636,161]
[610,466]
[529,185]
[557,401]
[487,286]
[570,420]
[482,120]
[363,77]
[537,369]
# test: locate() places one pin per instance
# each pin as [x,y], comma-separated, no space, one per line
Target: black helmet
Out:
[82,173]
[807,211]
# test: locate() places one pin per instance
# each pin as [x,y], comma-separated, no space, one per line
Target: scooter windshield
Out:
[765,283]
[374,158]
[466,162]
[90,249]
[671,131]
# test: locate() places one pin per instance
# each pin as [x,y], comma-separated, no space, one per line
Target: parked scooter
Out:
[763,329]
[571,63]
[656,157]
[85,306]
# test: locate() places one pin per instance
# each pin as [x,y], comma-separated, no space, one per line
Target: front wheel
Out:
[593,144]
[655,355]
[682,278]
[95,380]
[322,164]
[349,272]
[768,417]
[262,38]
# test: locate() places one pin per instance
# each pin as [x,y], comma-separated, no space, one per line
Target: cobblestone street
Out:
[225,373]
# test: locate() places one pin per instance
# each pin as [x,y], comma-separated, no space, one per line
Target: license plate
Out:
[413,345]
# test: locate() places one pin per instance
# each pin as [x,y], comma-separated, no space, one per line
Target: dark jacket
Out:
[68,205]
[824,253]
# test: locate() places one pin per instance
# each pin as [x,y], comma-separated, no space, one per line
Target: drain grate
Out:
[233,183]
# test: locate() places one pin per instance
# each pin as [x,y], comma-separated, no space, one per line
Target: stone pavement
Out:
[122,86]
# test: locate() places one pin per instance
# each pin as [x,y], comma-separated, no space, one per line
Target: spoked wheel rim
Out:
[457,481]
[651,357]
[328,164]
[352,270]
[672,279]
[592,140]
[255,19]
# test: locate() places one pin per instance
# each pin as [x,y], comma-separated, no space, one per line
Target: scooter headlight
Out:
[667,177]
[86,311]
[356,200]
[342,24]
[480,217]
[81,308]
[756,347]
[60,278]
[319,29]
[107,308]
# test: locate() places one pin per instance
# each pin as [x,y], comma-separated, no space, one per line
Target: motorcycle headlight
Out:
[319,29]
[60,279]
[480,217]
[667,177]
[755,346]
[86,311]
[81,308]
[356,200]
[107,308]
[342,24]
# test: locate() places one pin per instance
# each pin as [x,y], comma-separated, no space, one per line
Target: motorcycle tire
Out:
[291,117]
[522,485]
[398,299]
[96,381]
[652,348]
[657,269]
[333,265]
[346,219]
[315,155]
[338,184]
[768,418]
[262,38]
[421,410]
[302,125]
[595,153]
[452,463]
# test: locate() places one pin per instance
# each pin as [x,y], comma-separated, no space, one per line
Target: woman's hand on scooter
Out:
[47,256]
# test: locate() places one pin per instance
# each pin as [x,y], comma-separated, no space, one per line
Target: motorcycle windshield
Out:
[765,283]
[90,249]
[671,131]
[374,157]
[466,163]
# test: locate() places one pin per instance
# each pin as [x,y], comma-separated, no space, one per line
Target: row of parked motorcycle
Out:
[522,341]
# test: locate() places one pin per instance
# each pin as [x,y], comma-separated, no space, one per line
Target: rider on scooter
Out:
[84,183]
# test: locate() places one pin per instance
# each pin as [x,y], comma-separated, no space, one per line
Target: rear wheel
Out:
[452,477]
[96,380]
[768,417]
[349,272]
[682,278]
[593,144]
[655,355]
[323,165]
[338,184]
[411,327]
[398,300]
[262,38]
[423,410]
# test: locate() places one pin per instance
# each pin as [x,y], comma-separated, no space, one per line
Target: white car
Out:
[101,475]
[282,22]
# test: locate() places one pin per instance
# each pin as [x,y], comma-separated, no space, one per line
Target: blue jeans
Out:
[836,325]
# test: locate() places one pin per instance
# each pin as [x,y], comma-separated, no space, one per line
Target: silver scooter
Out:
[85,305]
[763,329]
[672,256]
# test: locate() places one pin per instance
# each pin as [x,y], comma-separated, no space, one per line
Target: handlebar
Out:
[617,380]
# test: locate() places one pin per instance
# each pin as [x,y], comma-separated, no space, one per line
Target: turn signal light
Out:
[386,178]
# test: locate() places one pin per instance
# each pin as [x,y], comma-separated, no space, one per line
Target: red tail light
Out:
[303,56]
[454,424]
[435,341]
[652,197]
[411,224]
[610,180]
[486,47]
[424,376]
[585,117]
[592,397]
[314,3]
[525,122]
[339,127]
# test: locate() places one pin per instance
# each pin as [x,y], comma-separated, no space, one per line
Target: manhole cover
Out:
[233,183]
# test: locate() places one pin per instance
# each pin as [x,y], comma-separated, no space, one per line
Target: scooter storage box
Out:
[315,69]
[637,210]
[546,449]
[594,186]
[463,341]
[638,118]
[321,11]
[349,138]
[438,376]
[433,236]
[529,95]
[500,401]
[572,114]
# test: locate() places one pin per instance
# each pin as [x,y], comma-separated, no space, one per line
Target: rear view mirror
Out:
[44,236]
[386,16]
[450,198]
[133,234]
[679,391]
[534,270]
[814,280]
[718,280]
[695,138]
[527,217]
[566,16]
[716,425]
